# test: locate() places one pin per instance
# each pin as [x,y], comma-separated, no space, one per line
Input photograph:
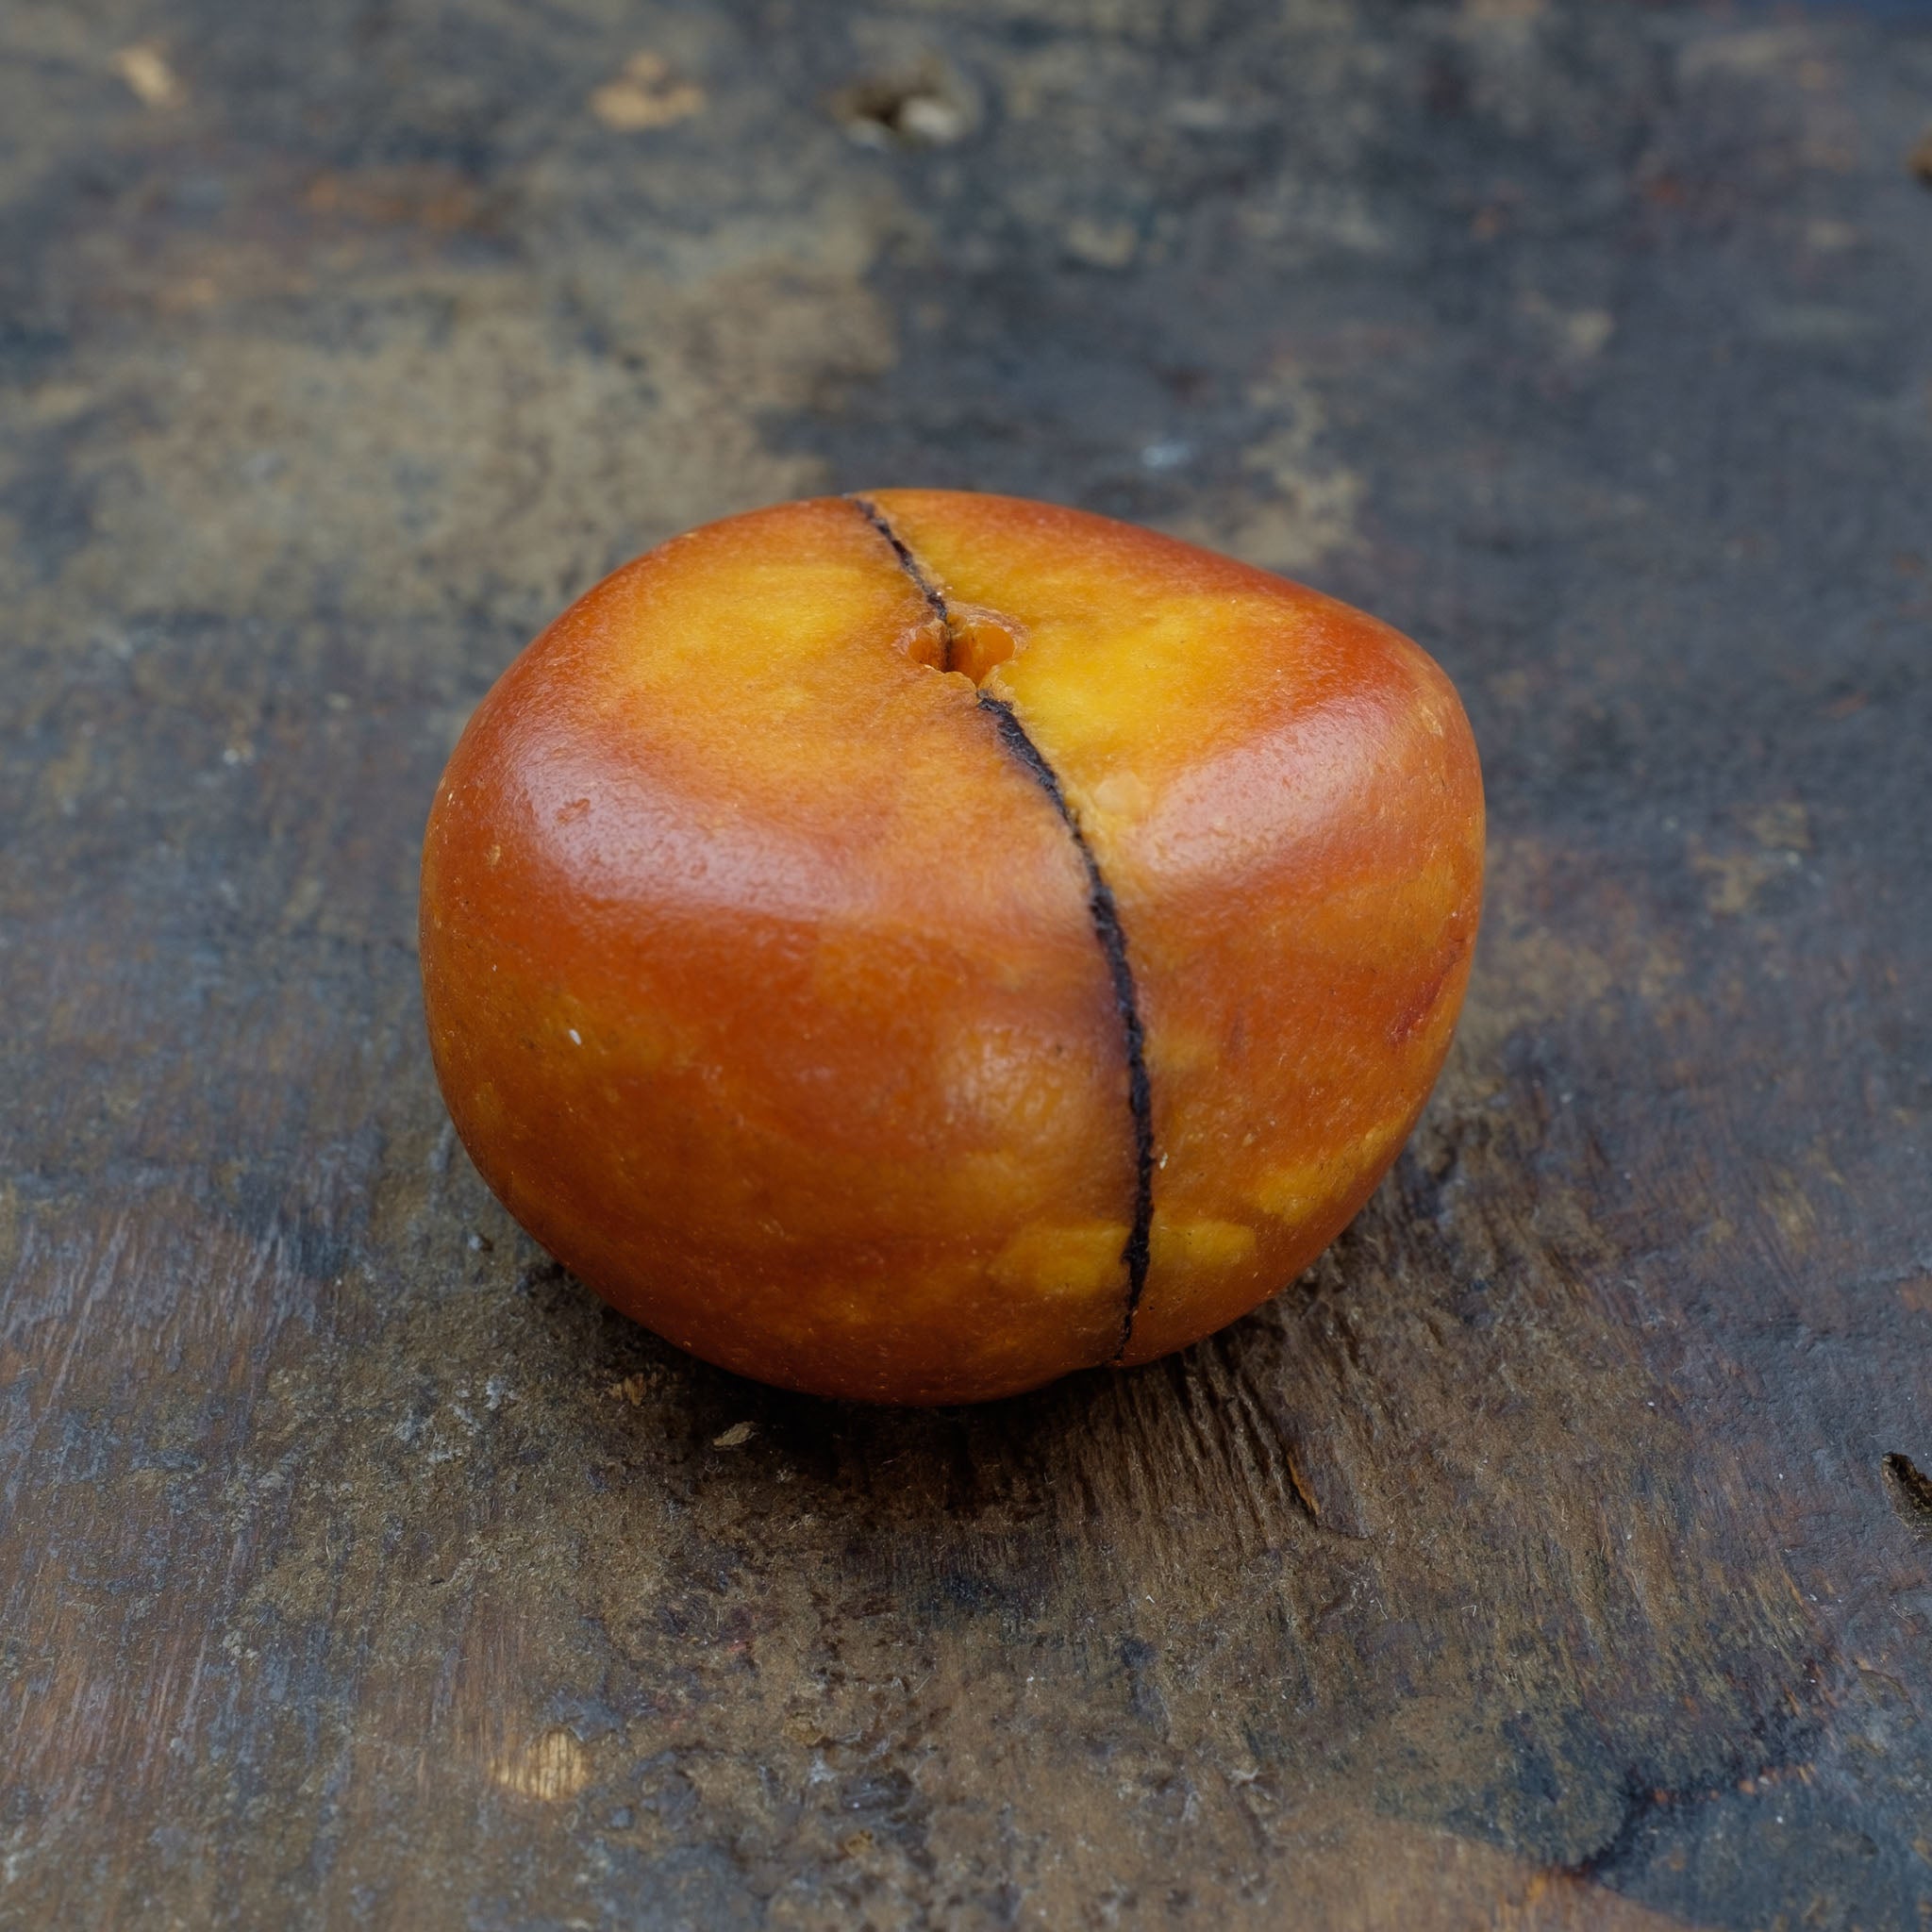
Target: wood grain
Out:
[1556,1554]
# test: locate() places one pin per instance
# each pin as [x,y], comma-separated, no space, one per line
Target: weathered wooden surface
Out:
[1537,1561]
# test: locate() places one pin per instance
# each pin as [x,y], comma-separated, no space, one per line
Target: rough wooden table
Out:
[1556,1554]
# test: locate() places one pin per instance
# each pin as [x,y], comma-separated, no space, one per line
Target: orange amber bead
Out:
[912,946]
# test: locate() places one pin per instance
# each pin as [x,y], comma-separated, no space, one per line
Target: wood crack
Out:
[1103,912]
[1912,1490]
[1645,1805]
